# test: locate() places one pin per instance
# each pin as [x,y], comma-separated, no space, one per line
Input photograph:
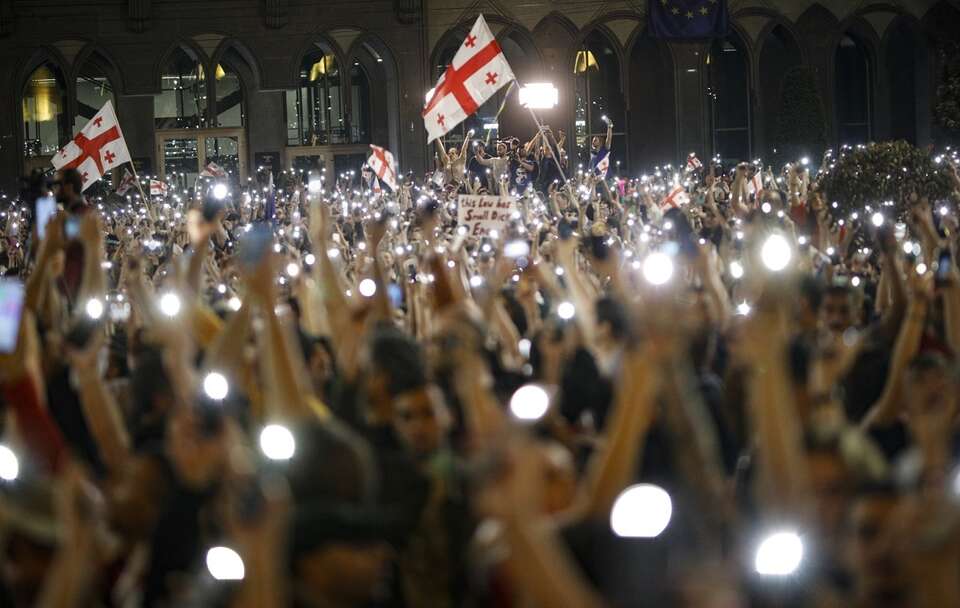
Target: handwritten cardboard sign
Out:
[481,213]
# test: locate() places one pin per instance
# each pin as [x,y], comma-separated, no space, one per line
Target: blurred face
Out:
[346,574]
[595,143]
[931,408]
[560,484]
[501,149]
[880,576]
[837,312]
[452,152]
[420,419]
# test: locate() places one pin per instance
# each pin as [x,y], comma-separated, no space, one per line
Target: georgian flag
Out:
[755,185]
[693,163]
[127,183]
[96,149]
[603,165]
[213,170]
[479,69]
[158,188]
[384,166]
[677,198]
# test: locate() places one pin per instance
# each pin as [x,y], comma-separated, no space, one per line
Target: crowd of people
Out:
[695,387]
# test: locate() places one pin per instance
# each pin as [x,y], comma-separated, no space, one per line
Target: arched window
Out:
[905,68]
[729,100]
[653,117]
[230,109]
[94,89]
[360,104]
[182,102]
[780,52]
[44,111]
[597,75]
[315,111]
[852,92]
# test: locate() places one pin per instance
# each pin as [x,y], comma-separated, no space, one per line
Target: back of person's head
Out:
[610,312]
[399,357]
[72,178]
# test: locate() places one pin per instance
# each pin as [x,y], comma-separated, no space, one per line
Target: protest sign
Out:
[482,213]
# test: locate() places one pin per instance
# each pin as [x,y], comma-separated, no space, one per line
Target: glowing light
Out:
[220,192]
[776,253]
[743,309]
[225,564]
[277,442]
[641,511]
[736,269]
[877,219]
[529,402]
[657,268]
[309,259]
[293,270]
[170,304]
[94,308]
[779,554]
[539,96]
[566,310]
[9,464]
[234,303]
[367,288]
[215,385]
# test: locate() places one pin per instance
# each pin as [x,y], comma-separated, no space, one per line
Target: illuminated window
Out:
[182,102]
[44,111]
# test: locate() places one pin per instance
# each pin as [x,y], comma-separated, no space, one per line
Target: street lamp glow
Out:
[641,511]
[539,96]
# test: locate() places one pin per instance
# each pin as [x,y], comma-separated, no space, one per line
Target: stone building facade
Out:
[306,83]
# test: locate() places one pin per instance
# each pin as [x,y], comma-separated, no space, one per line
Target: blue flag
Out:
[688,18]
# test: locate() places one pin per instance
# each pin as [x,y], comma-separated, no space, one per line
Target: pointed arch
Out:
[97,80]
[779,50]
[906,63]
[251,66]
[652,94]
[727,65]
[314,41]
[42,101]
[855,60]
[378,115]
[598,65]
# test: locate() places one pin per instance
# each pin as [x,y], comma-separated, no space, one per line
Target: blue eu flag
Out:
[688,18]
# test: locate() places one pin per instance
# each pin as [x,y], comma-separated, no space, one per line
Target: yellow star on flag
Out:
[689,14]
[704,10]
[676,11]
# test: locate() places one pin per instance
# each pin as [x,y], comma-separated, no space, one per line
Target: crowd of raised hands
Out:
[317,394]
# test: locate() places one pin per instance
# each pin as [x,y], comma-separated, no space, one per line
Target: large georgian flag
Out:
[384,166]
[96,149]
[479,69]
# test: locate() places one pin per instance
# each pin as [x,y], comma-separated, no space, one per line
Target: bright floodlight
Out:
[170,304]
[877,219]
[776,253]
[566,310]
[641,511]
[220,192]
[224,564]
[529,402]
[657,268]
[277,443]
[736,269]
[367,288]
[94,308]
[779,554]
[9,465]
[539,96]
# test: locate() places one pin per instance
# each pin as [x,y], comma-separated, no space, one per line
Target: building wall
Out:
[664,85]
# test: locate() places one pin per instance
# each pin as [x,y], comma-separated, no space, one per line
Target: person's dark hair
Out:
[838,290]
[72,177]
[612,311]
[400,358]
[811,290]
[930,361]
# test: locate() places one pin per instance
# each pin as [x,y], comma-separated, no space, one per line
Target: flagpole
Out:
[136,180]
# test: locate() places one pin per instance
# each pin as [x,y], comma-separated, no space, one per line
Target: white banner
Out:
[481,213]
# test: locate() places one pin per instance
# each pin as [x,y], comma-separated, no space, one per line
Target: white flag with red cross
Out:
[677,198]
[214,170]
[158,188]
[127,183]
[96,149]
[693,163]
[384,166]
[755,185]
[479,69]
